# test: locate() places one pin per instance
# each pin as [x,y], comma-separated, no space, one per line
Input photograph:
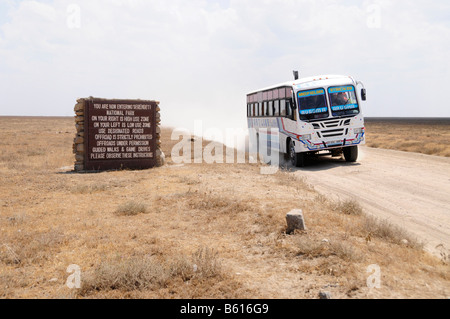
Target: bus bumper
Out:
[318,145]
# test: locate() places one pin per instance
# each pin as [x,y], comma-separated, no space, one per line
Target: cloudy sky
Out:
[200,58]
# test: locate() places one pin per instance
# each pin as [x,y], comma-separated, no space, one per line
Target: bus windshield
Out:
[343,101]
[312,105]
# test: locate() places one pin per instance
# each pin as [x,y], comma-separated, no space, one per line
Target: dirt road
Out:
[408,189]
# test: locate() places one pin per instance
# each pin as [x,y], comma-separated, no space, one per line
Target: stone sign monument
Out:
[117,134]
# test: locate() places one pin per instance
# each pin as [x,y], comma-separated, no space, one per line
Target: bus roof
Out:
[313,81]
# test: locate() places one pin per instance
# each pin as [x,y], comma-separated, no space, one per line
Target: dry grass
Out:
[387,231]
[348,207]
[29,247]
[88,189]
[285,177]
[148,273]
[186,231]
[426,136]
[131,208]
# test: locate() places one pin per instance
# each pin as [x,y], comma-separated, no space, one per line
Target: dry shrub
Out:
[345,251]
[131,208]
[147,273]
[9,279]
[374,227]
[321,199]
[444,254]
[387,231]
[207,264]
[8,256]
[125,275]
[334,258]
[312,248]
[433,149]
[181,267]
[204,263]
[348,207]
[31,247]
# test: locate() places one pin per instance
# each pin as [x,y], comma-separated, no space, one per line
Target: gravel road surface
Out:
[409,189]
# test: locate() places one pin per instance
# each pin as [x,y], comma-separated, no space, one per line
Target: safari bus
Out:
[312,116]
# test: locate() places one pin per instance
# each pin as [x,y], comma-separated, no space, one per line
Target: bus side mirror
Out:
[292,104]
[363,94]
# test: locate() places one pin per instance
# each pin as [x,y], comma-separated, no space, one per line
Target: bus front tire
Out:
[351,154]
[297,159]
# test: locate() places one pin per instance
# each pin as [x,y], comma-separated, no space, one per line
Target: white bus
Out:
[314,116]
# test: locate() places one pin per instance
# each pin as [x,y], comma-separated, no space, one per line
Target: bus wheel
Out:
[351,154]
[297,159]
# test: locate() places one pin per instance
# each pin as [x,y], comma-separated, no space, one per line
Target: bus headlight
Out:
[306,137]
[358,130]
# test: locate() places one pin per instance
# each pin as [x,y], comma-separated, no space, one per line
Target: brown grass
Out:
[387,231]
[149,273]
[348,207]
[186,231]
[426,136]
[29,247]
[131,208]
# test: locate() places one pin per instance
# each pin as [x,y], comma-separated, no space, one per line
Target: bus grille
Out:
[333,133]
[332,128]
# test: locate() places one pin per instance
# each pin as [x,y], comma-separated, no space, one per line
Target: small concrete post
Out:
[325,295]
[295,221]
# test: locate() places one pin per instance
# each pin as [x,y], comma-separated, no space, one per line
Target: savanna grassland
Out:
[429,136]
[187,230]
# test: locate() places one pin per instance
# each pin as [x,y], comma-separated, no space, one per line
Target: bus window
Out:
[266,109]
[283,108]
[277,108]
[343,101]
[261,109]
[259,97]
[312,104]
[288,109]
[270,108]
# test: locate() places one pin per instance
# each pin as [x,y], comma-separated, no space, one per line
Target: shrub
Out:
[131,209]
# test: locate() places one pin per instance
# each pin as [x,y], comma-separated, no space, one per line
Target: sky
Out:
[200,58]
